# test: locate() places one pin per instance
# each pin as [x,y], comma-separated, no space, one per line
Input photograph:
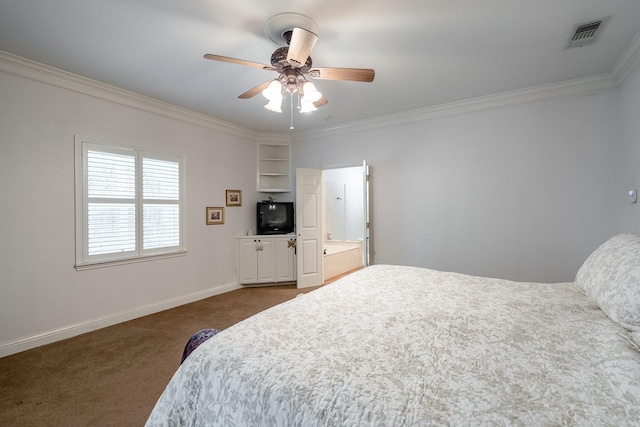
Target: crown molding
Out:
[570,88]
[628,61]
[31,70]
[274,138]
[622,69]
[626,64]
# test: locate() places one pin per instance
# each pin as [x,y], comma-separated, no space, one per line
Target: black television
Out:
[275,218]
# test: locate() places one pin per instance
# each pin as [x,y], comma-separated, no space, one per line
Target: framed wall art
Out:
[234,197]
[215,215]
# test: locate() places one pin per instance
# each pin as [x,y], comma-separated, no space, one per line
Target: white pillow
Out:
[611,276]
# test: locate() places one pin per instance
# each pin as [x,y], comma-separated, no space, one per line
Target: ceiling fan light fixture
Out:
[309,95]
[274,90]
[273,93]
[292,63]
[274,105]
[306,106]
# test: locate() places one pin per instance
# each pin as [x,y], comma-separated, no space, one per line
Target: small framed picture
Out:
[215,216]
[234,198]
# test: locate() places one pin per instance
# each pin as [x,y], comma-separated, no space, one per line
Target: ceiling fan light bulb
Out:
[306,107]
[311,94]
[273,91]
[274,105]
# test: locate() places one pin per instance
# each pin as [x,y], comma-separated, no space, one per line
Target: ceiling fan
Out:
[293,65]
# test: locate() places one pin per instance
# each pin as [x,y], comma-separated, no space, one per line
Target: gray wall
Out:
[42,297]
[523,192]
[630,152]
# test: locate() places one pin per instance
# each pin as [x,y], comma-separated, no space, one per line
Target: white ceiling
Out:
[425,52]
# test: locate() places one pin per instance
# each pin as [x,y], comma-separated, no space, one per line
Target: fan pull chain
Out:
[291,110]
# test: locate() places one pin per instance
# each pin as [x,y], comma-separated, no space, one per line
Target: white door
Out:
[366,250]
[309,226]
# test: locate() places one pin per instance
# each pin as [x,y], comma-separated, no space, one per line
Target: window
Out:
[129,204]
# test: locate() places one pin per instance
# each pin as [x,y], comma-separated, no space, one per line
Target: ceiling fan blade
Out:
[351,74]
[320,102]
[255,90]
[302,41]
[238,61]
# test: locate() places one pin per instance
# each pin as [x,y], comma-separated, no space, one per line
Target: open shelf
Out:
[274,168]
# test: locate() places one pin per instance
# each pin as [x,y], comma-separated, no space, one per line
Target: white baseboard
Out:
[48,337]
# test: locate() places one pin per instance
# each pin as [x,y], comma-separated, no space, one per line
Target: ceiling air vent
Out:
[584,34]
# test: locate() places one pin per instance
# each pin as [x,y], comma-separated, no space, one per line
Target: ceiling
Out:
[425,52]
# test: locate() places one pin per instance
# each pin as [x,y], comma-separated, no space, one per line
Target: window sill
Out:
[101,264]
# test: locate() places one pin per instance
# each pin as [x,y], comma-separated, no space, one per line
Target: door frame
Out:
[366,188]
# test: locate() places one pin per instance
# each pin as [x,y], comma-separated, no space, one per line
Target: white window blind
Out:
[131,204]
[111,207]
[161,209]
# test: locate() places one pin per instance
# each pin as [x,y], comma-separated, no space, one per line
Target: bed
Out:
[406,346]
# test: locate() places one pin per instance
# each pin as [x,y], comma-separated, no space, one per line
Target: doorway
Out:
[346,212]
[347,201]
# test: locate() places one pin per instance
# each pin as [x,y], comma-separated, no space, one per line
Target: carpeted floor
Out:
[113,376]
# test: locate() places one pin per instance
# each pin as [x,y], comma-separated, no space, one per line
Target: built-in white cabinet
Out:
[274,167]
[266,259]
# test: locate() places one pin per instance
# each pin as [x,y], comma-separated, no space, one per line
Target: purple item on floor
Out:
[197,339]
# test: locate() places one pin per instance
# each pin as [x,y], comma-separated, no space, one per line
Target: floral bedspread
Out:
[406,346]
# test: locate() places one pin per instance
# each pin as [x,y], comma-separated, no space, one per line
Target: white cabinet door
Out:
[285,255]
[266,252]
[247,261]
